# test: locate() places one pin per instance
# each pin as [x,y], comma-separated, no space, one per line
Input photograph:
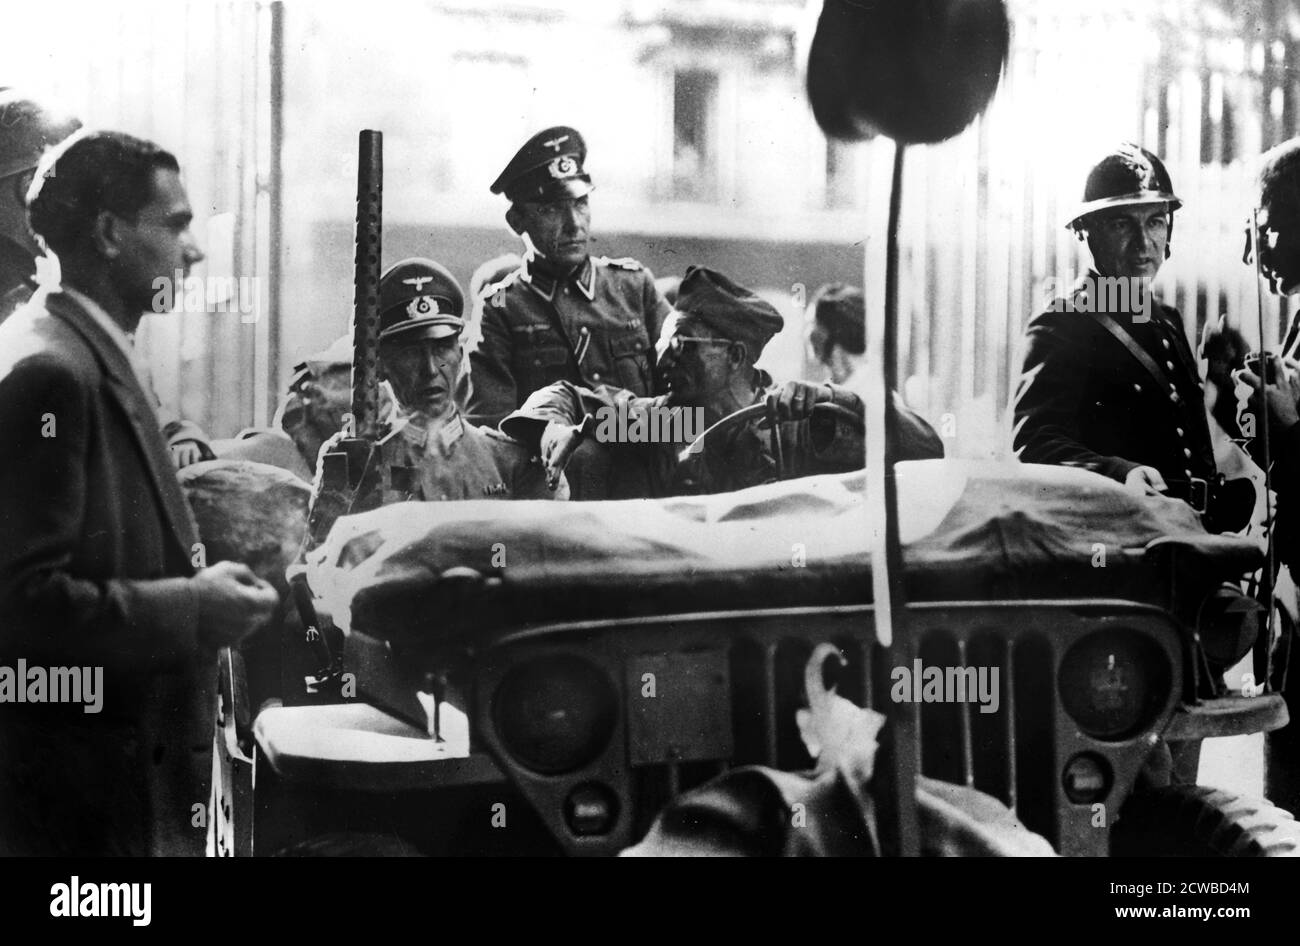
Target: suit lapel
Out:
[123,384]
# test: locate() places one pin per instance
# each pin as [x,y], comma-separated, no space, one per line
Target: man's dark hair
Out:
[841,311]
[1279,179]
[103,170]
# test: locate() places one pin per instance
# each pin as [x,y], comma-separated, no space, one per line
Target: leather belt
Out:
[1195,492]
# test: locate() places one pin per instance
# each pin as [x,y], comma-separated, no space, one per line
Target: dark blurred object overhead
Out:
[918,71]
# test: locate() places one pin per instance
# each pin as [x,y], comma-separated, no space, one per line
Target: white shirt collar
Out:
[115,332]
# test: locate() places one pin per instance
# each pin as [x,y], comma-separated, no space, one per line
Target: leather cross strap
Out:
[1135,350]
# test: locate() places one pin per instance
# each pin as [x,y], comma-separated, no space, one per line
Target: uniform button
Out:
[1173,398]
[595,376]
[1137,389]
[583,330]
[1187,473]
[1169,365]
[1187,452]
[1165,342]
[1181,433]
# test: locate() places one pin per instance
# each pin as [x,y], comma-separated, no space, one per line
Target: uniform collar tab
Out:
[543,282]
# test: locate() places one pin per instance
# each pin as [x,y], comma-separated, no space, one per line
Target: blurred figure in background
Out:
[837,334]
[314,409]
[27,129]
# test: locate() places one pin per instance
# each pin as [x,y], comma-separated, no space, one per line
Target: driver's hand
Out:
[796,399]
[1145,481]
[557,445]
[185,453]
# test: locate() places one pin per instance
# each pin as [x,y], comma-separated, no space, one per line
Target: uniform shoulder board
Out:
[493,434]
[502,441]
[622,262]
[490,293]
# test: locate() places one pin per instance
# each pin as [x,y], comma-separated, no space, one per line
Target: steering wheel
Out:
[697,452]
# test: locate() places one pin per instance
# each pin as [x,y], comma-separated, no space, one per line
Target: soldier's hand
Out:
[186,452]
[558,442]
[796,399]
[1282,395]
[232,603]
[1145,481]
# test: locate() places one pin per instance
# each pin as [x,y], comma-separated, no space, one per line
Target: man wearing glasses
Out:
[707,354]
[563,315]
[1278,243]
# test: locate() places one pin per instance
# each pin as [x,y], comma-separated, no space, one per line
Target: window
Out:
[695,100]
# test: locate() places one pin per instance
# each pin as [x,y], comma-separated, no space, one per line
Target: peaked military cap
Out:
[729,310]
[419,299]
[547,167]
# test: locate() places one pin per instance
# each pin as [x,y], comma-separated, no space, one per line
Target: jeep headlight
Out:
[555,714]
[1113,682]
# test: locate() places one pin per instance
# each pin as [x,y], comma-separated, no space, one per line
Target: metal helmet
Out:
[27,129]
[1127,176]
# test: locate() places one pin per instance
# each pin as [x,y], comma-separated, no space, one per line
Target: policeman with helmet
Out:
[428,451]
[1110,382]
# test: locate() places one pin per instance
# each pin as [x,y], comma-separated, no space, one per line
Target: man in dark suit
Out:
[1109,381]
[97,545]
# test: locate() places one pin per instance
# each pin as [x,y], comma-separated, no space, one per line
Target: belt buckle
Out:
[1198,494]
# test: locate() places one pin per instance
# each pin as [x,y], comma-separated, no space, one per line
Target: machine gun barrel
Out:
[365,303]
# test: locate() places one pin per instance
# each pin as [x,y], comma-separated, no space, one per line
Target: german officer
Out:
[1109,381]
[428,451]
[709,348]
[563,315]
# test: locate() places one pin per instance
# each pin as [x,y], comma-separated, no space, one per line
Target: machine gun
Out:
[344,467]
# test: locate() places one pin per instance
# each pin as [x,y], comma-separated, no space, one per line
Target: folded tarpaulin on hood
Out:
[970,530]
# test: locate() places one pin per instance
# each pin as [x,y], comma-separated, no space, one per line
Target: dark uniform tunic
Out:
[595,327]
[740,458]
[1085,400]
[17,277]
[452,461]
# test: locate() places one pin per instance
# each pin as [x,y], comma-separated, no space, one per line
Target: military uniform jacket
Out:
[596,327]
[739,459]
[96,542]
[454,460]
[1084,400]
